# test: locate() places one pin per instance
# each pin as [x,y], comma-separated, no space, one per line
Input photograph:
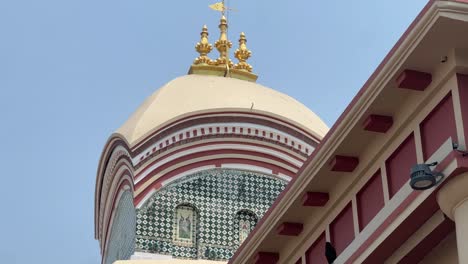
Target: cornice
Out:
[348,120]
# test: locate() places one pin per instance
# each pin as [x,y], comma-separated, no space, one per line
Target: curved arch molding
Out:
[219,195]
[212,144]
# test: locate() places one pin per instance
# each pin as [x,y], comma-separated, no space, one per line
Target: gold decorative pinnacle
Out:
[203,47]
[243,54]
[223,45]
[222,66]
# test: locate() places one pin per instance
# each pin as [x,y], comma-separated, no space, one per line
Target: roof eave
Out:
[346,122]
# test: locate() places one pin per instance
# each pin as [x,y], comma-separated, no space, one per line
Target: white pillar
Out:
[453,201]
[461,222]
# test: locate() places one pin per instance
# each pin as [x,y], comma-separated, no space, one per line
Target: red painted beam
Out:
[344,163]
[378,123]
[412,223]
[428,243]
[266,258]
[290,229]
[414,80]
[315,199]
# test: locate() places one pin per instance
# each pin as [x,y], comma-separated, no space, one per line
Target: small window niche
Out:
[246,221]
[185,224]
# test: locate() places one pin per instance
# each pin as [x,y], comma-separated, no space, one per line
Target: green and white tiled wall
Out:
[220,199]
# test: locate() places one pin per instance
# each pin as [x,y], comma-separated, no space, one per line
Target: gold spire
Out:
[223,45]
[203,47]
[243,54]
[222,66]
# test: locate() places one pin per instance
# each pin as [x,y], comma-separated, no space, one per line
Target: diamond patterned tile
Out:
[223,200]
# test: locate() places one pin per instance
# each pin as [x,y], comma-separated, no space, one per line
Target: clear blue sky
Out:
[72,71]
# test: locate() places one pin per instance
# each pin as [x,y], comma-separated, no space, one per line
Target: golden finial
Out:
[243,54]
[203,47]
[222,66]
[223,45]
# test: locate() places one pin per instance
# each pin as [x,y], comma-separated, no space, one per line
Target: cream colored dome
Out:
[192,94]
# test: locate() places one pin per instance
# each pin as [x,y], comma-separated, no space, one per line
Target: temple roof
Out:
[196,94]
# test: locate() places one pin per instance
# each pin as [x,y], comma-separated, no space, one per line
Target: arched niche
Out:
[244,224]
[185,225]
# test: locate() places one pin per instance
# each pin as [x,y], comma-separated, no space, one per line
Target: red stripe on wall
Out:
[216,117]
[399,165]
[370,200]
[211,153]
[316,253]
[463,91]
[412,223]
[342,229]
[215,143]
[429,242]
[382,227]
[438,126]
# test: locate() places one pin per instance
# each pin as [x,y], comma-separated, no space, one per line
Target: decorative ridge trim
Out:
[192,134]
[223,115]
[213,156]
[331,139]
[205,146]
[112,143]
[140,199]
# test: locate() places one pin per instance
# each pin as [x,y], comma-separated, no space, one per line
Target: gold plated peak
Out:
[223,45]
[203,47]
[243,54]
[222,66]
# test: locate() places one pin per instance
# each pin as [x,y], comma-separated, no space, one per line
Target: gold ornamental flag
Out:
[218,6]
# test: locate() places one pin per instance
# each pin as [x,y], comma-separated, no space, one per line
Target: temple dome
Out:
[195,94]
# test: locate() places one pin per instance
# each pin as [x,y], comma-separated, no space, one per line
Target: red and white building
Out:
[350,189]
[354,190]
[203,125]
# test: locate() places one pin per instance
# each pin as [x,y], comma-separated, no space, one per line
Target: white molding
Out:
[418,143]
[142,174]
[145,198]
[246,167]
[385,187]
[209,167]
[293,126]
[458,113]
[160,173]
[284,177]
[442,152]
[327,233]
[187,172]
[245,126]
[354,208]
[149,256]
